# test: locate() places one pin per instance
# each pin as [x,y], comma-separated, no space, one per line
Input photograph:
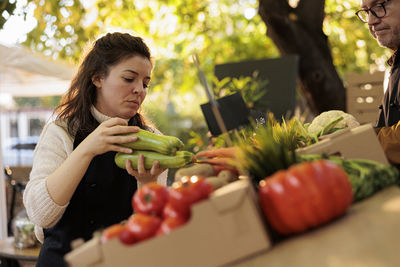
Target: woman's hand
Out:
[105,137]
[142,175]
[62,183]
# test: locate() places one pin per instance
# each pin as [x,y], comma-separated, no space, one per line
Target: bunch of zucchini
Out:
[163,148]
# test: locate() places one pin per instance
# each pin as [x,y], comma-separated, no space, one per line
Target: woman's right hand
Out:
[62,183]
[106,137]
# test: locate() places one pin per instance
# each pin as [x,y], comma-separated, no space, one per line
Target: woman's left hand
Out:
[142,175]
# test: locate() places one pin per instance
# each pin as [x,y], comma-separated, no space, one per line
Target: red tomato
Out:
[180,198]
[201,188]
[304,196]
[170,224]
[112,231]
[170,212]
[187,192]
[143,226]
[150,199]
[127,237]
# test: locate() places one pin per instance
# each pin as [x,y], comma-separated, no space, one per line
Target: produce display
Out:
[294,192]
[299,197]
[299,192]
[153,147]
[158,210]
[273,148]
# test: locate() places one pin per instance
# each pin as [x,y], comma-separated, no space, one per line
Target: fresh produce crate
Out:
[355,143]
[364,95]
[226,227]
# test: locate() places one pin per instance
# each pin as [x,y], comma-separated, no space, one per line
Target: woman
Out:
[75,188]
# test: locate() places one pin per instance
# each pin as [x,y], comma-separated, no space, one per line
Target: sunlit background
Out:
[218,31]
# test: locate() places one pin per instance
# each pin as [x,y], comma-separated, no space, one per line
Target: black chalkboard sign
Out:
[234,113]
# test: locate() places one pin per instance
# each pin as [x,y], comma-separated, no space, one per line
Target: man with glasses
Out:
[383,19]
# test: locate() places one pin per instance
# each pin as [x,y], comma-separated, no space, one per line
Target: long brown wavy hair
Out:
[107,51]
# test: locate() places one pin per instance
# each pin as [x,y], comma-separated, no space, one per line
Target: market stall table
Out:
[10,256]
[368,235]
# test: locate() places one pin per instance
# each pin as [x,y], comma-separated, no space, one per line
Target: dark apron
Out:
[389,111]
[102,198]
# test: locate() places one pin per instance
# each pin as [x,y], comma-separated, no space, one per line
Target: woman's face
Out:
[122,92]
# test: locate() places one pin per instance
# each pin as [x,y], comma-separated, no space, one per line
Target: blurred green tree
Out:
[299,27]
[325,33]
[7,9]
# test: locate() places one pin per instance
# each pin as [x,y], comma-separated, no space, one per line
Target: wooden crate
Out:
[364,95]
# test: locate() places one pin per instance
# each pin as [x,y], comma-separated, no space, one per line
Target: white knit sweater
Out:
[54,146]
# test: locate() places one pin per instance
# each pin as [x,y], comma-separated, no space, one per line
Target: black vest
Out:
[102,198]
[389,113]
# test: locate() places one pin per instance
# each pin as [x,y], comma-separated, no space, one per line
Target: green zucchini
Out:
[180,159]
[163,144]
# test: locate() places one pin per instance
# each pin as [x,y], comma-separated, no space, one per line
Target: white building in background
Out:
[20,131]
[25,74]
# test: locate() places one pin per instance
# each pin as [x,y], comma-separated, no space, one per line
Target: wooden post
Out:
[213,102]
[3,204]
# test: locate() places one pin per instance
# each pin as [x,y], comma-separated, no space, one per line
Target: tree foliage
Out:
[6,10]
[352,46]
[218,31]
[295,31]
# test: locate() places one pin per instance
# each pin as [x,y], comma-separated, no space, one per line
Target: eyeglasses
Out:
[378,11]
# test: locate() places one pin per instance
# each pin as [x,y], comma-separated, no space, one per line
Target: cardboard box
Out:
[359,142]
[222,229]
